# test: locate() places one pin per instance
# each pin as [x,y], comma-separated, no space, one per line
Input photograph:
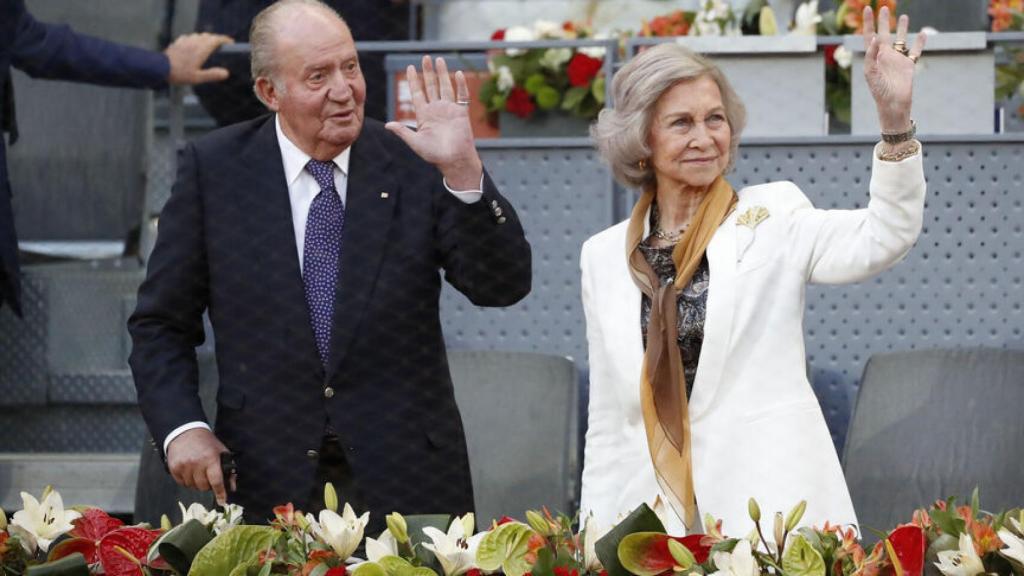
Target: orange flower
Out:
[854,18]
[1002,11]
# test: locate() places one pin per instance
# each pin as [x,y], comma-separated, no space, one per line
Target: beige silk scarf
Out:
[663,383]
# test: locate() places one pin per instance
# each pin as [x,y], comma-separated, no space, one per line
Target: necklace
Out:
[671,237]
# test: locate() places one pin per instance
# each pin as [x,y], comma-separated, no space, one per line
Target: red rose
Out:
[519,103]
[582,69]
[830,58]
[498,35]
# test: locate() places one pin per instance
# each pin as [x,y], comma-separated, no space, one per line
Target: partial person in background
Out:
[317,239]
[233,100]
[57,52]
[699,396]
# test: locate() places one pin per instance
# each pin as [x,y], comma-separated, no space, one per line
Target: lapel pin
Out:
[749,219]
[384,195]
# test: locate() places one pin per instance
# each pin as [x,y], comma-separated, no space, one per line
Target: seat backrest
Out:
[78,170]
[932,424]
[519,411]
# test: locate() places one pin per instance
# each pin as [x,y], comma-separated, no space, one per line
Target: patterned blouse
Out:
[692,305]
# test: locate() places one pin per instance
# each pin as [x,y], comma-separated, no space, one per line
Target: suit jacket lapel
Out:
[721,254]
[273,230]
[368,215]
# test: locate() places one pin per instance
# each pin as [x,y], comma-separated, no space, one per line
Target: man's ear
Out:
[267,92]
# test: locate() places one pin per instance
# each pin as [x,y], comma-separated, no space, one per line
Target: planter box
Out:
[781,80]
[954,86]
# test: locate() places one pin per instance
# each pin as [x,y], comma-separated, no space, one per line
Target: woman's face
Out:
[690,135]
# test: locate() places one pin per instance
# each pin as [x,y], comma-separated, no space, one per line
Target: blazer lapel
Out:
[721,254]
[273,230]
[369,210]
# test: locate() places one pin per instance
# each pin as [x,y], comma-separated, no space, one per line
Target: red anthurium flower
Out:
[475,571]
[89,529]
[647,553]
[830,55]
[498,35]
[519,103]
[909,543]
[123,551]
[582,69]
[505,520]
[336,571]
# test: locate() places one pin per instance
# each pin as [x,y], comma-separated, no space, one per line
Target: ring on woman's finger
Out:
[462,102]
[901,47]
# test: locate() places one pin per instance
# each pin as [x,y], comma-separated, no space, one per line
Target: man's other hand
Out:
[189,52]
[194,461]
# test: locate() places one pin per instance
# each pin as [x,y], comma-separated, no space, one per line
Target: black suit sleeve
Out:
[484,251]
[167,325]
[57,52]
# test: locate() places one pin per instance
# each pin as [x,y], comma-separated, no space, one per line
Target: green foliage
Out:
[236,547]
[801,559]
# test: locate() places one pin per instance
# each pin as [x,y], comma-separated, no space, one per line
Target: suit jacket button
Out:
[328,392]
[312,453]
[501,220]
[494,203]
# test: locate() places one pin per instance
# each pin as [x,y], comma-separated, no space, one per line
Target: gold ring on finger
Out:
[901,47]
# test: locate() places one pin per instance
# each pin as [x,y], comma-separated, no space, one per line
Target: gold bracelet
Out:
[897,156]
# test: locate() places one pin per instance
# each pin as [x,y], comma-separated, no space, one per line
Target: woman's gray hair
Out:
[621,133]
[263,61]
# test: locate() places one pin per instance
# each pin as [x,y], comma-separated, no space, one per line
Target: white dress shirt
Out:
[302,188]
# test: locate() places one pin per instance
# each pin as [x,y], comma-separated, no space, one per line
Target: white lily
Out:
[843,57]
[739,562]
[385,545]
[807,19]
[456,550]
[342,533]
[961,562]
[517,34]
[592,532]
[505,79]
[219,520]
[1014,544]
[43,521]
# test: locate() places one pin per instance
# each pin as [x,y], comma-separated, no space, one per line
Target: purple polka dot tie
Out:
[321,254]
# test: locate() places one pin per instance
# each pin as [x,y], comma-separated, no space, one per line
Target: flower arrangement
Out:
[45,539]
[525,81]
[1008,16]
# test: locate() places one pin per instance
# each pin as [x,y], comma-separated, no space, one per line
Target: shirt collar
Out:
[295,160]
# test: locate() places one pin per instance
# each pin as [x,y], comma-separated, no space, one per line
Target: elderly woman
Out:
[698,387]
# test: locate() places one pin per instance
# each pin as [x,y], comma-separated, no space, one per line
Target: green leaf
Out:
[948,521]
[497,103]
[545,564]
[534,83]
[71,565]
[801,559]
[239,545]
[395,566]
[180,545]
[320,570]
[505,547]
[597,89]
[574,96]
[548,98]
[642,519]
[975,503]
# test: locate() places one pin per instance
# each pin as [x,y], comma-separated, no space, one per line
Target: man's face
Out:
[320,89]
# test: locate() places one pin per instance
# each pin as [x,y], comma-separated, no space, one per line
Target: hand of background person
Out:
[443,134]
[890,74]
[189,52]
[194,461]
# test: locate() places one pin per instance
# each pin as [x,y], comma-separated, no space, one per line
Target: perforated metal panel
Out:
[563,196]
[63,428]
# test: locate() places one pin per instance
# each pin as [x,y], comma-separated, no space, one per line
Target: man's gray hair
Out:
[621,133]
[262,33]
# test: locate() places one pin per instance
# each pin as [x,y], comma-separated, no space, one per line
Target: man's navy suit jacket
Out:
[226,245]
[56,52]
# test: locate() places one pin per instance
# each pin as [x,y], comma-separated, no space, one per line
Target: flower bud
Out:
[165,523]
[537,522]
[795,515]
[398,528]
[754,510]
[681,555]
[3,520]
[780,532]
[330,497]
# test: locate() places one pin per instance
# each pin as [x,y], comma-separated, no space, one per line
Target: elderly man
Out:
[315,239]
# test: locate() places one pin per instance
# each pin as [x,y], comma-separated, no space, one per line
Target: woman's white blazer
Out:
[757,428]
